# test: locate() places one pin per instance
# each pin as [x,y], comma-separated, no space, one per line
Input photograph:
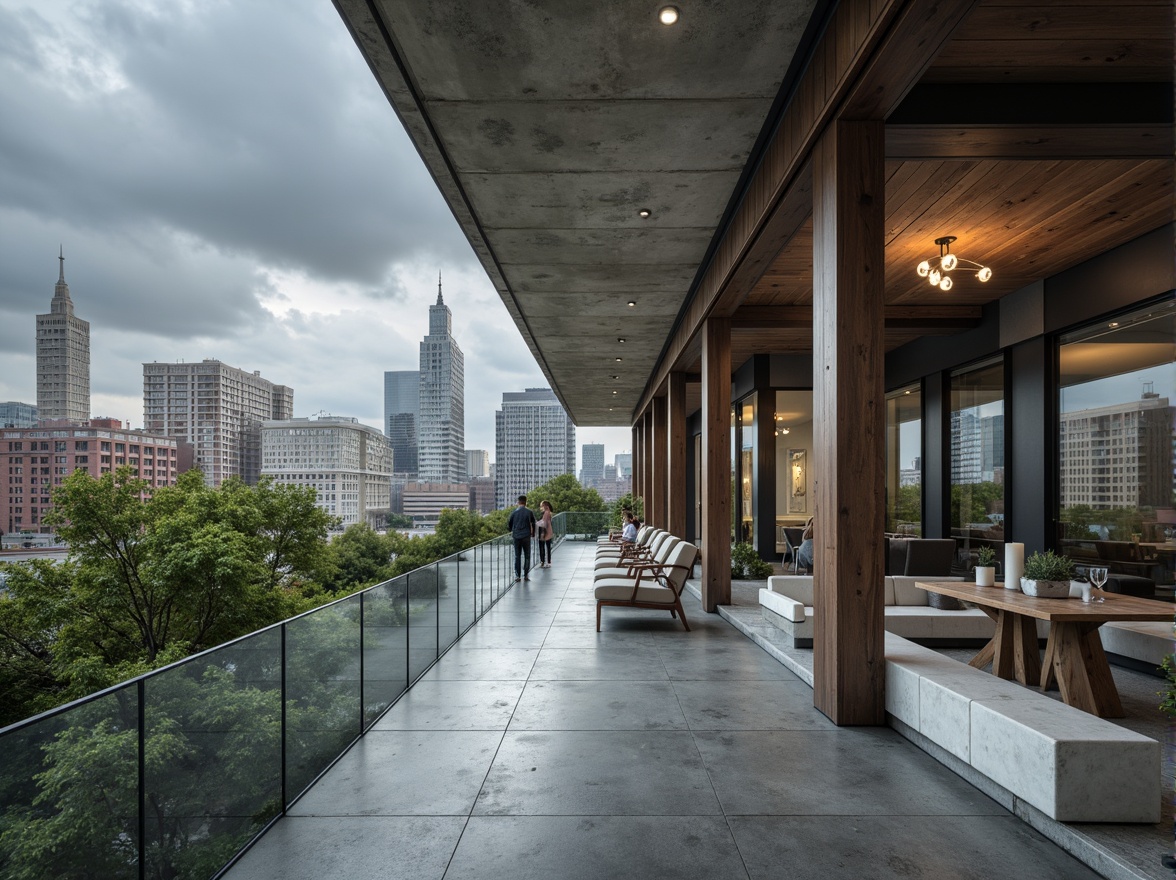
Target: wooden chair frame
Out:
[660,573]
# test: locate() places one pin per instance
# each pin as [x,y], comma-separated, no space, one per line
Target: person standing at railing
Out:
[544,530]
[522,529]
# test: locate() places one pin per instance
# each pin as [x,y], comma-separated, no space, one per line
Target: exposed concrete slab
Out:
[608,200]
[607,49]
[613,247]
[567,136]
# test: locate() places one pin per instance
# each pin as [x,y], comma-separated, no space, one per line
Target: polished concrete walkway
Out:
[537,748]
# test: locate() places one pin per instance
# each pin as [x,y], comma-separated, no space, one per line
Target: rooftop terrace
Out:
[537,747]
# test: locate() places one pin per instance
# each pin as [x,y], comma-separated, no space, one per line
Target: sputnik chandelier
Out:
[936,269]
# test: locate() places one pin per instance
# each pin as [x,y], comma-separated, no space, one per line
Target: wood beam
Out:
[660,468]
[676,500]
[849,423]
[716,463]
[1116,141]
[647,466]
[927,319]
[871,54]
[638,445]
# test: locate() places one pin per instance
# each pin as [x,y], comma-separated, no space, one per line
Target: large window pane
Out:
[1117,381]
[796,464]
[747,531]
[904,461]
[977,461]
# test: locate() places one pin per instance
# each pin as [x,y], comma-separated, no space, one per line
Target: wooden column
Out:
[660,470]
[849,423]
[677,498]
[716,463]
[647,457]
[635,482]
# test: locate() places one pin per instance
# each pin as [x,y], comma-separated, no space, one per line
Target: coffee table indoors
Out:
[1073,653]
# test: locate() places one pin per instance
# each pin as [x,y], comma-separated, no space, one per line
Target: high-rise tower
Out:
[441,421]
[536,441]
[402,405]
[63,357]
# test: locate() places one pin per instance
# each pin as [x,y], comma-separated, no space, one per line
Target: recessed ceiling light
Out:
[1113,324]
[644,212]
[616,377]
[619,360]
[668,15]
[633,304]
[906,392]
[619,339]
[614,392]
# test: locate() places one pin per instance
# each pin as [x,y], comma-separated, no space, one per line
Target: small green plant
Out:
[747,565]
[1048,566]
[985,557]
[1168,703]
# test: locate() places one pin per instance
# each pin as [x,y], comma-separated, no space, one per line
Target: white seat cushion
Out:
[618,592]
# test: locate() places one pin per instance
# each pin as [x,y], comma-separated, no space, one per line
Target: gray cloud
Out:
[228,181]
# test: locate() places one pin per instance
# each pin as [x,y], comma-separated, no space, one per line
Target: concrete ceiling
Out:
[549,126]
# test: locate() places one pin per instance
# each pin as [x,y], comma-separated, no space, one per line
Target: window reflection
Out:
[977,461]
[904,461]
[1117,386]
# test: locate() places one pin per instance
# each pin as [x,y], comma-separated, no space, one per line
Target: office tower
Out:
[216,408]
[38,459]
[14,414]
[624,465]
[591,463]
[402,405]
[425,501]
[477,463]
[535,442]
[441,422]
[63,358]
[482,494]
[349,465]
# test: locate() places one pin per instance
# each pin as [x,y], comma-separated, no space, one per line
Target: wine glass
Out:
[1098,577]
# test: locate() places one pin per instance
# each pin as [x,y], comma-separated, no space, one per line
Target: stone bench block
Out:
[945,704]
[1072,766]
[1147,641]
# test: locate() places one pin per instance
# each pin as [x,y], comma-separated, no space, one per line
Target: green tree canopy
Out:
[565,493]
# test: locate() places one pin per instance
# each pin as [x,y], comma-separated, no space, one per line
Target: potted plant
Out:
[985,566]
[1047,575]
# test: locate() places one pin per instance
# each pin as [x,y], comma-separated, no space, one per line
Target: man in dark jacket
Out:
[522,529]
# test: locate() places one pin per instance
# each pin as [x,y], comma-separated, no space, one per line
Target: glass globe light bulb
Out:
[984,274]
[945,284]
[935,276]
[948,262]
[923,268]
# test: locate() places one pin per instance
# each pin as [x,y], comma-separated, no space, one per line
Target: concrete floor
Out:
[537,748]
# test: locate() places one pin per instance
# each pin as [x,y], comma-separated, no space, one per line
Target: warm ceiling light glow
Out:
[1113,324]
[619,339]
[907,391]
[783,430]
[935,269]
[632,303]
[668,15]
[644,212]
[619,360]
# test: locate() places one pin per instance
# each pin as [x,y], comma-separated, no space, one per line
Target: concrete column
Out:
[677,496]
[716,463]
[849,422]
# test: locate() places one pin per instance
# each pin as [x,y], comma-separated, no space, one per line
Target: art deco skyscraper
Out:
[63,358]
[441,422]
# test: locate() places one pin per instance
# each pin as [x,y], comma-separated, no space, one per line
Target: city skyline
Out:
[217,201]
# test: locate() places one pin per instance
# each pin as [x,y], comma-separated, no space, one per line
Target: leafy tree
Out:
[972,502]
[626,500]
[565,493]
[399,521]
[357,558]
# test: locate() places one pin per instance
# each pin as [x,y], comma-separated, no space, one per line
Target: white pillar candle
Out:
[1014,565]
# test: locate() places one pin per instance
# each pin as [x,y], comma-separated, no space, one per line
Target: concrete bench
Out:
[1072,766]
[1147,642]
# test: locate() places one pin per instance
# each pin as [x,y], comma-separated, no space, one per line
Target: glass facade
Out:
[1116,442]
[904,461]
[977,461]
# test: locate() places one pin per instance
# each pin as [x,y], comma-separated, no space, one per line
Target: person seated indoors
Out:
[804,554]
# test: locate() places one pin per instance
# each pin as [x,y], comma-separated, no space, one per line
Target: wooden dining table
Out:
[1074,655]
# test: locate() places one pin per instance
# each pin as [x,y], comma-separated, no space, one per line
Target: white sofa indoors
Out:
[787,603]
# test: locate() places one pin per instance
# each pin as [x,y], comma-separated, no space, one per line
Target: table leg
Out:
[1004,645]
[1083,674]
[1047,664]
[985,655]
[1026,654]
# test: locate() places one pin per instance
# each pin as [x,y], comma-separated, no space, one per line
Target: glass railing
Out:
[580,525]
[172,774]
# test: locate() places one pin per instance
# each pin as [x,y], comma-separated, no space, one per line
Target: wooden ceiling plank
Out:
[909,142]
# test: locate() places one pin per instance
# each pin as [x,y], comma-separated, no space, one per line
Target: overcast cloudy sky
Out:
[228,181]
